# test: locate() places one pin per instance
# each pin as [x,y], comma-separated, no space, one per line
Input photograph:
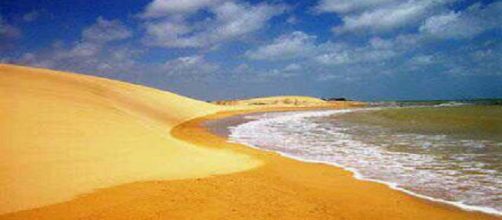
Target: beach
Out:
[76,147]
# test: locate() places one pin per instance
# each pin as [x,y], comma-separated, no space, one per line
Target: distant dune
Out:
[286,101]
[64,134]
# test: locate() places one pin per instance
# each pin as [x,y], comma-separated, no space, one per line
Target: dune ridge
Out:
[65,134]
[274,100]
[286,101]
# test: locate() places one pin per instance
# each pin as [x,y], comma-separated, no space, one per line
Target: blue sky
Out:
[222,49]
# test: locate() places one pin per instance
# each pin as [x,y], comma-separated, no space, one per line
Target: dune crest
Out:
[65,134]
[286,101]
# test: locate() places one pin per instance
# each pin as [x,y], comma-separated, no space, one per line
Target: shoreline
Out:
[279,188]
[203,122]
[221,127]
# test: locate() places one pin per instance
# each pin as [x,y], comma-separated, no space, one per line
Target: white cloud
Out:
[363,55]
[387,18]
[328,60]
[300,45]
[249,73]
[375,52]
[380,16]
[170,34]
[431,17]
[90,54]
[276,73]
[83,49]
[228,21]
[106,30]
[422,60]
[161,8]
[333,58]
[83,57]
[238,19]
[292,20]
[242,69]
[466,24]
[190,65]
[288,46]
[349,6]
[293,67]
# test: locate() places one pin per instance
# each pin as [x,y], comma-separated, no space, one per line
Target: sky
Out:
[227,49]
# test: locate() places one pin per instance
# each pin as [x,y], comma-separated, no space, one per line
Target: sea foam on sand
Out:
[294,135]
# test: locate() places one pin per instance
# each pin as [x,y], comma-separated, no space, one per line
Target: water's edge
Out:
[223,127]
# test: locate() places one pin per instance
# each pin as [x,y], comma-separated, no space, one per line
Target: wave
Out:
[296,121]
[451,104]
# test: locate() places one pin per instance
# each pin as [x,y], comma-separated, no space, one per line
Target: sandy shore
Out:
[280,188]
[63,135]
[79,147]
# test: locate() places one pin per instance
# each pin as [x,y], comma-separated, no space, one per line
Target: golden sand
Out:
[286,101]
[62,135]
[130,152]
[280,189]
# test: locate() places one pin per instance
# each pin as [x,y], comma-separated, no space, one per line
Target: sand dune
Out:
[286,101]
[275,100]
[64,134]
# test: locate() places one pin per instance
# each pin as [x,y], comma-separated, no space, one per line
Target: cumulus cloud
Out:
[340,60]
[161,8]
[397,53]
[238,19]
[300,54]
[189,66]
[292,20]
[344,55]
[82,57]
[301,45]
[473,59]
[420,61]
[388,17]
[250,73]
[349,6]
[376,51]
[91,54]
[380,16]
[276,73]
[431,17]
[464,24]
[227,21]
[106,30]
[293,67]
[288,46]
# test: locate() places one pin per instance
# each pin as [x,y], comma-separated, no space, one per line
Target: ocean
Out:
[443,151]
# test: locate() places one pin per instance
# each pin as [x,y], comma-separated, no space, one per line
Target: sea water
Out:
[448,152]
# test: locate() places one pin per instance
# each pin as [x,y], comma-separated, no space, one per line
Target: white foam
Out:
[277,125]
[451,104]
